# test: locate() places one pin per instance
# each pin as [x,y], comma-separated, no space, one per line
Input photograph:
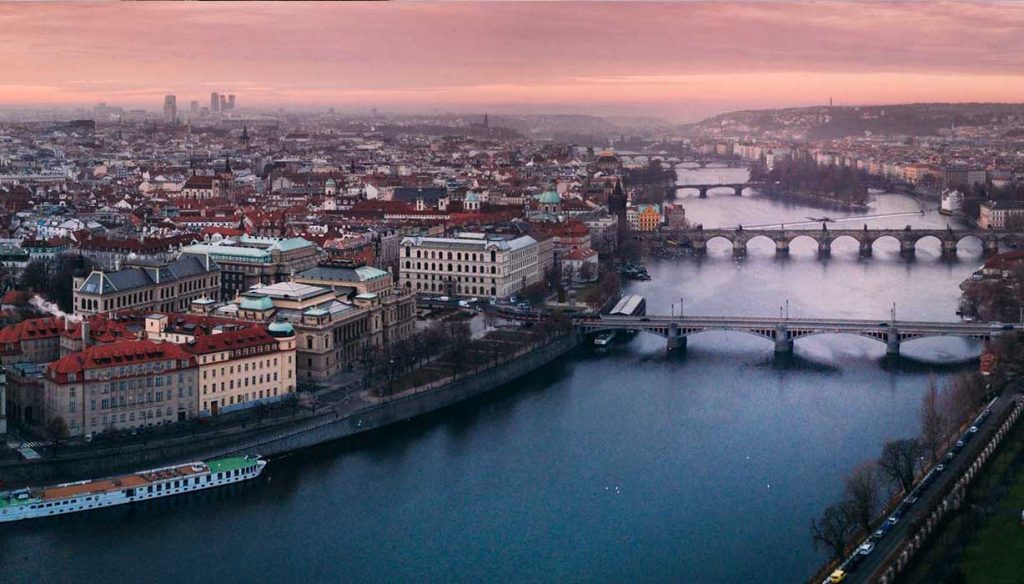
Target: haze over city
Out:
[482,291]
[681,61]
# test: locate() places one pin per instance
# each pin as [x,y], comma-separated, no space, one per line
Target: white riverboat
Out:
[34,502]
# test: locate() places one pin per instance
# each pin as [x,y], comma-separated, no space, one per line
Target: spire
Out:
[227,163]
[245,134]
[617,191]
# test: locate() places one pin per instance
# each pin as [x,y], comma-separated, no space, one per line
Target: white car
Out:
[866,548]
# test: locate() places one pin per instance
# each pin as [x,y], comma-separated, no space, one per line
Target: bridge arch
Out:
[759,237]
[730,238]
[883,237]
[695,189]
[974,243]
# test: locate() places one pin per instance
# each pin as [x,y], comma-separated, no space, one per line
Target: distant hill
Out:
[823,122]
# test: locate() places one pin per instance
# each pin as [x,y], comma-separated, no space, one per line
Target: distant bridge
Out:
[824,237]
[722,163]
[702,189]
[783,331]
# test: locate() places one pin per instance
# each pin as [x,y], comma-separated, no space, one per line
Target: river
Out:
[616,467]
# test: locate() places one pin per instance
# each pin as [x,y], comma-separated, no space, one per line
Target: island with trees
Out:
[802,180]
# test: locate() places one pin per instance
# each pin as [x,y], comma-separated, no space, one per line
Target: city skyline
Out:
[679,61]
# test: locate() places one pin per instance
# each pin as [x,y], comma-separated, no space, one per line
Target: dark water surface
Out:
[621,467]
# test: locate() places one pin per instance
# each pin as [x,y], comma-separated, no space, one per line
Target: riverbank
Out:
[357,413]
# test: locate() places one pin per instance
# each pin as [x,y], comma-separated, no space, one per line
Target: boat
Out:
[36,502]
[604,339]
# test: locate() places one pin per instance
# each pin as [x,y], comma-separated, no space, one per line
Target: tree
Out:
[61,281]
[35,277]
[57,430]
[934,425]
[368,361]
[863,492]
[899,462]
[459,338]
[833,529]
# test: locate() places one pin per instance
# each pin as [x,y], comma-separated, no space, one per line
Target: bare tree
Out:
[368,360]
[833,529]
[899,462]
[934,425]
[864,494]
[459,338]
[57,430]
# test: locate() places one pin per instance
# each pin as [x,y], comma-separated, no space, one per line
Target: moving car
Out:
[837,576]
[866,548]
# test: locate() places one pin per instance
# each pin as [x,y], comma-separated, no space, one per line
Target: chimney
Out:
[85,333]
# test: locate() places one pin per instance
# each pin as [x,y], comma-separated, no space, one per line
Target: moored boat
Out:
[35,502]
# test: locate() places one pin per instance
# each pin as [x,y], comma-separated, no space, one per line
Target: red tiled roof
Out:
[31,329]
[250,337]
[121,353]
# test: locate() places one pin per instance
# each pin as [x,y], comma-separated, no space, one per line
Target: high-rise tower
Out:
[214,102]
[170,109]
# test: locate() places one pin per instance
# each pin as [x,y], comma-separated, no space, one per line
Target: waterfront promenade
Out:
[329,414]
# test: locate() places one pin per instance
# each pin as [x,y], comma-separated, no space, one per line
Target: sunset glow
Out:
[678,60]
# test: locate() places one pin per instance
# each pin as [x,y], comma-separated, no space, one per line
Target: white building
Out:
[952,202]
[471,264]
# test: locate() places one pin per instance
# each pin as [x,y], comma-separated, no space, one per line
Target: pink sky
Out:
[675,60]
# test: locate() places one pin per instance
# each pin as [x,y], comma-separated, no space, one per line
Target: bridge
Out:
[718,162]
[702,189]
[783,331]
[739,237]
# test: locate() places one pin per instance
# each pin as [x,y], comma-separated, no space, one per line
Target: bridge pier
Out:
[892,343]
[676,341]
[906,247]
[739,249]
[865,249]
[738,190]
[703,192]
[783,342]
[700,247]
[949,248]
[991,246]
[824,248]
[782,246]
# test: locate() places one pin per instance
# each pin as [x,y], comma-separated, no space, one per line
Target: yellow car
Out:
[837,576]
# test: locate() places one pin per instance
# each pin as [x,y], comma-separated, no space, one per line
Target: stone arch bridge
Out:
[865,238]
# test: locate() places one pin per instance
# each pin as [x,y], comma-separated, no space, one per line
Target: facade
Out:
[1001,215]
[149,285]
[247,261]
[471,264]
[644,217]
[170,109]
[130,384]
[239,365]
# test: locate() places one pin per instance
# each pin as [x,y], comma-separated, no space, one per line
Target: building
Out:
[33,340]
[394,307]
[239,365]
[231,102]
[214,102]
[130,384]
[170,109]
[644,217]
[246,261]
[204,187]
[1001,215]
[952,202]
[149,285]
[330,334]
[471,264]
[193,110]
[580,265]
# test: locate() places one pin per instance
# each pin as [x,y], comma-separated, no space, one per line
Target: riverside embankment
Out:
[329,422]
